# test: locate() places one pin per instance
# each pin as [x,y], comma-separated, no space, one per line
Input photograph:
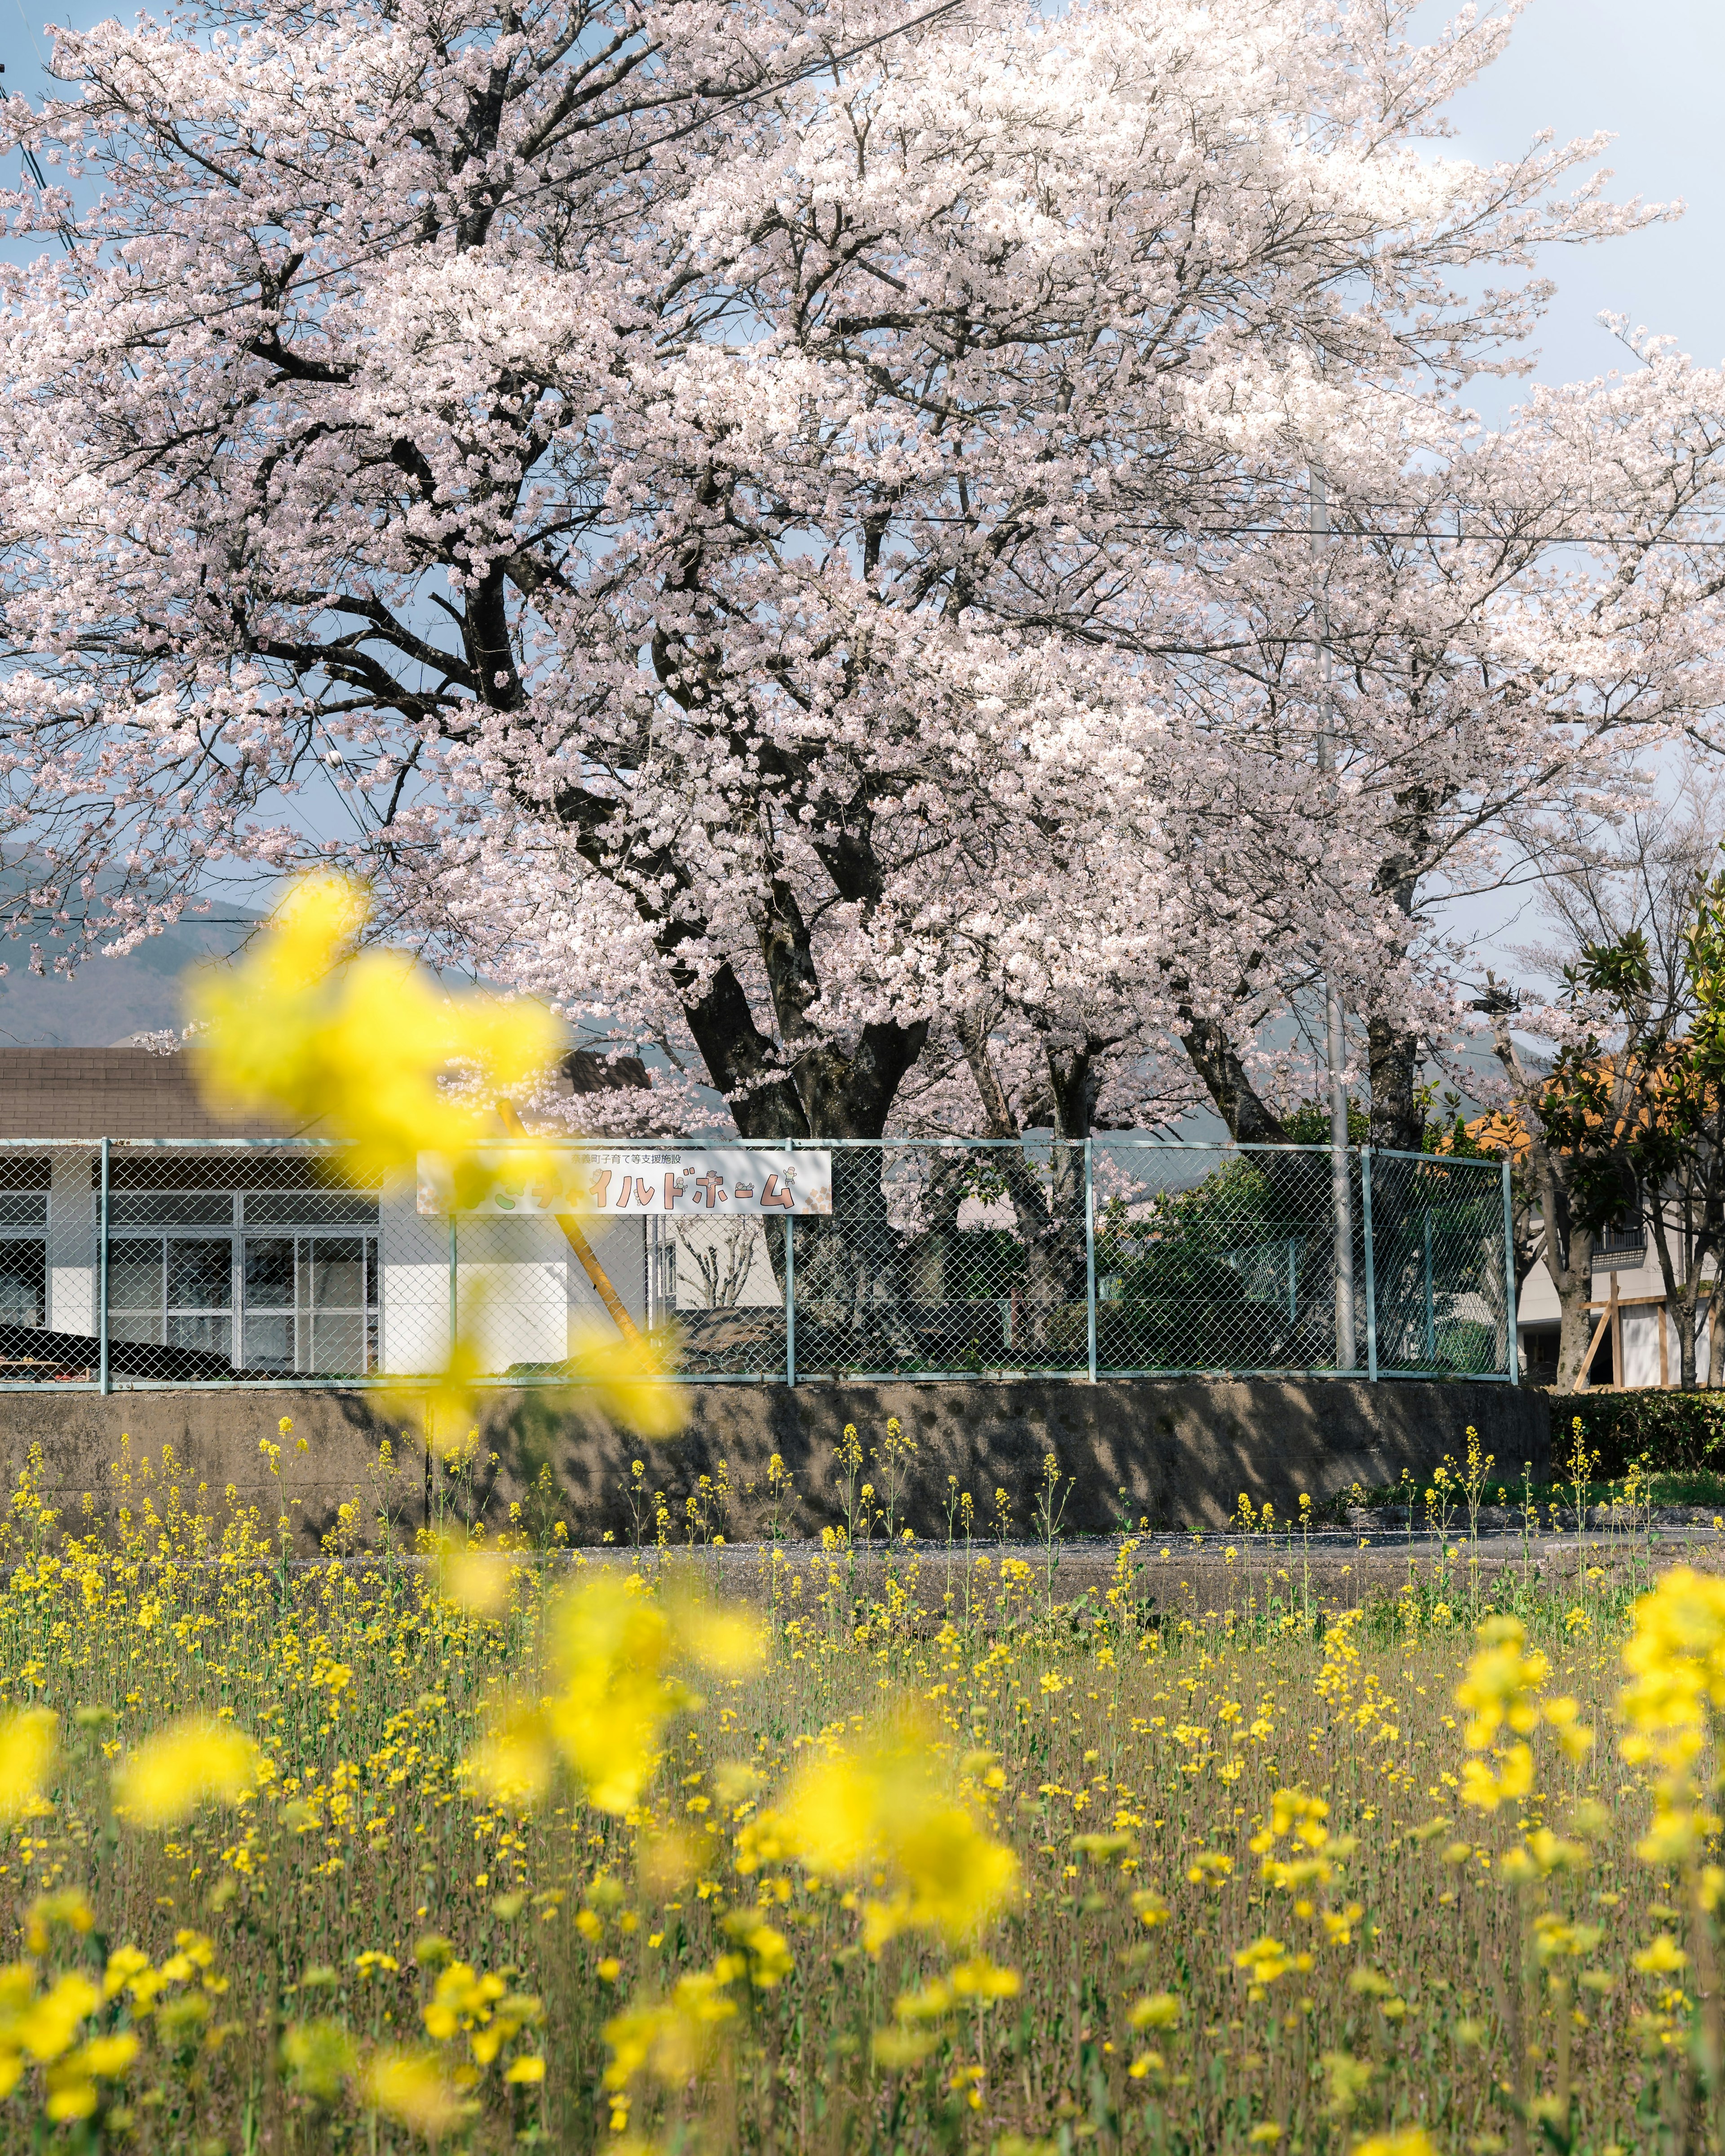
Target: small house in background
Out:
[1635,1336]
[241,1249]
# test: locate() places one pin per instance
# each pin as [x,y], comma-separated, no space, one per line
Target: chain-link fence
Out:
[1261,1258]
[126,1263]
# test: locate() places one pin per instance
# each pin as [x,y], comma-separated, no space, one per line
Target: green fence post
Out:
[1512,1346]
[103,1376]
[1089,1261]
[1431,1311]
[1365,1189]
[790,1299]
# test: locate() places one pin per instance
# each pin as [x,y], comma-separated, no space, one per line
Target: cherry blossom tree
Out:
[784,529]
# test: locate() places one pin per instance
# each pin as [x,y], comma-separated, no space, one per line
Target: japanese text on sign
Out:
[664,1179]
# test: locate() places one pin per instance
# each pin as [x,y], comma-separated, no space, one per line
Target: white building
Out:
[1629,1301]
[228,1255]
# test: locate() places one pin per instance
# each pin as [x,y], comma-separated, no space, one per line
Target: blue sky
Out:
[1651,72]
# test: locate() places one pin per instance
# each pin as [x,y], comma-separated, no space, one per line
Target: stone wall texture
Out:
[1175,1452]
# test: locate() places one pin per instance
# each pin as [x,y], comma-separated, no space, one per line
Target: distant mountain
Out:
[107,1000]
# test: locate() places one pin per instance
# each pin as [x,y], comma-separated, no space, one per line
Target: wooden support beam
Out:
[578,1243]
[1593,1345]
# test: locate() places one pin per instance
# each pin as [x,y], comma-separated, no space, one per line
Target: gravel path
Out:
[1185,1573]
[1200,1572]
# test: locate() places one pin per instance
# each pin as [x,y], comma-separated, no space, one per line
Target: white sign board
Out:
[664,1180]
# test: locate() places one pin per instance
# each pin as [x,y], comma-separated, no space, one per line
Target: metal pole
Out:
[1365,1192]
[103,1377]
[455,1283]
[1089,1261]
[1430,1313]
[1512,1344]
[1335,1041]
[790,1299]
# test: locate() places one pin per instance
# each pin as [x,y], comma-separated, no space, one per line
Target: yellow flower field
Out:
[486,1846]
[506,1848]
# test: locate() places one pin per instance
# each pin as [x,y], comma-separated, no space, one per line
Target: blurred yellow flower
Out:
[612,1651]
[27,1744]
[980,1978]
[720,1636]
[187,1764]
[321,2055]
[897,2049]
[513,1762]
[1264,1960]
[672,2039]
[1675,1657]
[473,1579]
[412,2088]
[1500,1688]
[1663,1957]
[880,1810]
[313,1028]
[1161,2010]
[69,1908]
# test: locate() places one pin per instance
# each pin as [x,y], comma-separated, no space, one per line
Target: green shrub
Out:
[1678,1431]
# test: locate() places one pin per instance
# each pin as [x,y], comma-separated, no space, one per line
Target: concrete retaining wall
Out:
[1175,1452]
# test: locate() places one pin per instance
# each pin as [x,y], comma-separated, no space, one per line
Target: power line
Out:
[1292,531]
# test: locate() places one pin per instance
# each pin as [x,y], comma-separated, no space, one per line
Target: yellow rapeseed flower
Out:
[1160,2010]
[880,1811]
[187,1764]
[67,1907]
[27,1754]
[311,1028]
[1675,1657]
[321,2055]
[473,1579]
[613,1651]
[42,2029]
[1501,1685]
[412,2088]
[672,2039]
[1264,1960]
[1411,2141]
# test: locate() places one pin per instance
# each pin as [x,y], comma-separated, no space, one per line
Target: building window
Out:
[271,1281]
[1622,1238]
[24,1257]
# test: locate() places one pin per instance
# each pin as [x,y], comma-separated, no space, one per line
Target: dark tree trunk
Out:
[1251,1120]
[1398,1121]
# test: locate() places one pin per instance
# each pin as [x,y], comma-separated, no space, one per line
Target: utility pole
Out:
[1335,1039]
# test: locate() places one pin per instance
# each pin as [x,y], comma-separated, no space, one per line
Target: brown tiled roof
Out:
[134,1093]
[115,1093]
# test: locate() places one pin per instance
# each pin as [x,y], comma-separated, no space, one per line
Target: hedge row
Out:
[1678,1431]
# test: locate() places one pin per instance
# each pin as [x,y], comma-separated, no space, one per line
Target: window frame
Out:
[252,1216]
